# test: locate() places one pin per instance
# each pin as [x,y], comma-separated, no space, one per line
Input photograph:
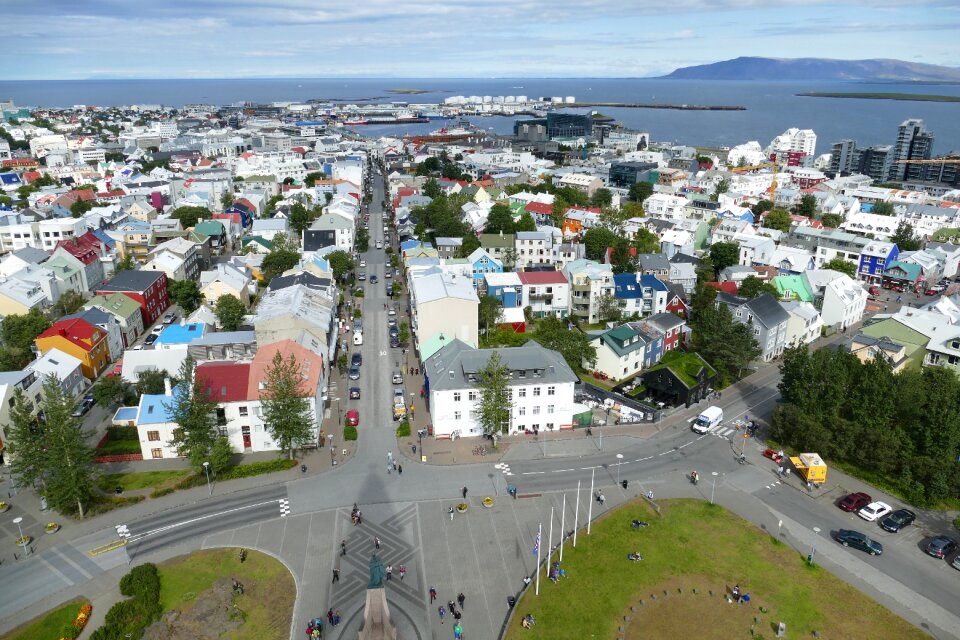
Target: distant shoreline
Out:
[409,92]
[679,107]
[912,97]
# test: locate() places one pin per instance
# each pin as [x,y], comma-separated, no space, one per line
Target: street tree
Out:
[341,262]
[286,410]
[492,408]
[489,312]
[403,332]
[841,265]
[185,294]
[362,240]
[220,455]
[230,311]
[193,412]
[68,457]
[571,343]
[25,442]
[640,191]
[110,391]
[778,219]
[724,254]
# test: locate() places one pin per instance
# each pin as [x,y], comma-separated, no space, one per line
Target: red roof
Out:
[233,217]
[76,330]
[224,381]
[85,248]
[86,195]
[727,287]
[539,207]
[542,277]
[30,176]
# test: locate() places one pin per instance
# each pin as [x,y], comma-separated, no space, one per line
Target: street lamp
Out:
[17,522]
[206,470]
[714,490]
[813,547]
[619,460]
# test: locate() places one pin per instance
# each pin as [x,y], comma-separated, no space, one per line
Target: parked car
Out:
[363,264]
[85,405]
[874,290]
[857,540]
[956,562]
[898,520]
[855,501]
[354,373]
[388,274]
[391,322]
[118,367]
[379,245]
[354,393]
[353,418]
[394,342]
[940,547]
[356,360]
[934,290]
[362,276]
[392,310]
[169,318]
[394,332]
[158,329]
[151,339]
[874,510]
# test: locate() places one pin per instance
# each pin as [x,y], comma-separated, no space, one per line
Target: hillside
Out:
[817,69]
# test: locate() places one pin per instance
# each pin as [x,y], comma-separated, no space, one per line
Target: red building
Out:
[676,304]
[149,288]
[673,328]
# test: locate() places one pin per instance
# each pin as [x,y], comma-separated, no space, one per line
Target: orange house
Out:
[80,339]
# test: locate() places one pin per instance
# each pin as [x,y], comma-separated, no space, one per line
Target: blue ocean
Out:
[771,107]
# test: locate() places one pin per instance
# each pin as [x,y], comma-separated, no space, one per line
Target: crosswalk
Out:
[284,507]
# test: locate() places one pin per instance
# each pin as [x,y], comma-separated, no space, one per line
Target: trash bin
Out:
[511,601]
[624,484]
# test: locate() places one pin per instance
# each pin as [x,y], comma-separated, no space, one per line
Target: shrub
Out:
[159,493]
[349,433]
[403,430]
[256,469]
[122,433]
[129,618]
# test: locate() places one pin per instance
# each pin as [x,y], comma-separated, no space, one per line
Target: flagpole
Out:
[549,543]
[576,516]
[539,531]
[590,508]
[563,530]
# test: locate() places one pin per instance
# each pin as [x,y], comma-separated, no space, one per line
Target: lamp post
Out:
[206,470]
[813,546]
[17,522]
[714,490]
[619,460]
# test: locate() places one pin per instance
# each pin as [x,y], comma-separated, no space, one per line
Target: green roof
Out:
[61,268]
[496,240]
[268,244]
[435,343]
[912,269]
[793,288]
[517,207]
[116,303]
[210,227]
[686,366]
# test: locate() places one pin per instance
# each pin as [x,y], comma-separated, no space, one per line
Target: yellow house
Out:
[80,339]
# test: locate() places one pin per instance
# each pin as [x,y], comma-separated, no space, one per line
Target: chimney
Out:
[167,390]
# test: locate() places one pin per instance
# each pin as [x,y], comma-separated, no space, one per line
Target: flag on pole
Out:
[536,544]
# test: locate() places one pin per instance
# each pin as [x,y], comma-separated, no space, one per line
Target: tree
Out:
[189,216]
[526,222]
[282,257]
[151,382]
[724,343]
[111,390]
[68,458]
[572,344]
[25,442]
[602,197]
[429,166]
[80,207]
[724,254]
[299,218]
[220,455]
[362,241]
[646,242]
[905,238]
[640,191]
[722,187]
[760,208]
[596,241]
[609,309]
[126,263]
[488,312]
[185,294]
[313,176]
[807,206]
[403,332]
[883,209]
[500,220]
[68,303]
[492,408]
[226,199]
[230,311]
[193,412]
[843,266]
[630,210]
[431,188]
[20,330]
[286,410]
[754,287]
[621,258]
[832,220]
[470,244]
[778,219]
[341,262]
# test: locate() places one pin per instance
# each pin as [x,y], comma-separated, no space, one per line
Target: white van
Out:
[357,338]
[708,419]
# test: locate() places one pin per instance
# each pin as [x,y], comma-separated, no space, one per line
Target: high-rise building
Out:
[842,156]
[875,161]
[914,142]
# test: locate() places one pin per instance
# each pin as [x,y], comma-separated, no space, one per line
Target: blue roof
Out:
[9,178]
[155,409]
[126,414]
[181,333]
[626,286]
[104,238]
[652,281]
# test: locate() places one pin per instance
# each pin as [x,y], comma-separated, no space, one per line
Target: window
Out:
[156,453]
[456,396]
[550,426]
[522,392]
[153,436]
[756,331]
[549,408]
[243,411]
[472,396]
[536,392]
[522,411]
[536,410]
[457,415]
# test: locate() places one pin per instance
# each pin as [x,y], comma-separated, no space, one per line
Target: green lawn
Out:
[603,384]
[140,480]
[269,590]
[47,626]
[695,545]
[120,441]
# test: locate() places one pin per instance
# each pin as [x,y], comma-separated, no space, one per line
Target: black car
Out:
[394,332]
[898,520]
[354,393]
[354,373]
[356,360]
[373,279]
[394,342]
[857,540]
[151,339]
[940,547]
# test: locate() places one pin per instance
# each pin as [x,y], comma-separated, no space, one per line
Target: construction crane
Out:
[752,167]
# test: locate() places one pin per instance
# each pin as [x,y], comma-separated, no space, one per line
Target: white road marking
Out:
[686,445]
[140,536]
[533,473]
[561,470]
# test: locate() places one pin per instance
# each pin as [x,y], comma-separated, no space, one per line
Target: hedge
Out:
[239,471]
[403,430]
[129,618]
[349,433]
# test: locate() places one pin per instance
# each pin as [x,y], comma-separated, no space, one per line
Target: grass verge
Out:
[695,545]
[140,480]
[269,590]
[48,625]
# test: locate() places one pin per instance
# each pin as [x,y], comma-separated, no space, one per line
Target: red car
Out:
[874,290]
[855,502]
[353,418]
[118,367]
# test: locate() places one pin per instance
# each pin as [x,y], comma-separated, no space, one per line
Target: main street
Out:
[485,552]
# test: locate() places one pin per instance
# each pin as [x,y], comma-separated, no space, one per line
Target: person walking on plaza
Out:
[433,595]
[336,575]
[464,491]
[343,547]
[441,612]
[450,511]
[389,572]
[461,599]
[376,542]
[402,570]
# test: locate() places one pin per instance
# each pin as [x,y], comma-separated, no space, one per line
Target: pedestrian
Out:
[336,617]
[457,615]
[343,545]
[421,394]
[243,555]
[389,468]
[650,495]
[433,595]
[461,599]
[330,616]
[359,517]
[395,465]
[464,491]
[402,570]
[400,469]
[457,631]
[809,486]
[413,447]
[336,575]
[442,612]
[376,542]
[389,572]
[450,511]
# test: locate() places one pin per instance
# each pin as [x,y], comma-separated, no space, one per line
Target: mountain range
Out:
[749,68]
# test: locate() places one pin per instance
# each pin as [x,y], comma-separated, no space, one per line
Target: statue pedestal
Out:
[376,617]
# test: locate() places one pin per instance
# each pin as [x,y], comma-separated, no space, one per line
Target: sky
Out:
[71,39]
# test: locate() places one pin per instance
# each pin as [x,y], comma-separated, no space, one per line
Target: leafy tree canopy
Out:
[640,191]
[778,219]
[843,266]
[724,254]
[754,287]
[596,241]
[572,344]
[185,294]
[230,311]
[189,216]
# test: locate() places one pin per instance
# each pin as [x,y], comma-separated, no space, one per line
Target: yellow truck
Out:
[811,467]
[399,406]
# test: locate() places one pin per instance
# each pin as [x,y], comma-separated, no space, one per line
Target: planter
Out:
[462,507]
[488,502]
[24,541]
[4,507]
[52,527]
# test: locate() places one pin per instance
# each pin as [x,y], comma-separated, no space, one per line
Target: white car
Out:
[379,245]
[874,510]
[363,263]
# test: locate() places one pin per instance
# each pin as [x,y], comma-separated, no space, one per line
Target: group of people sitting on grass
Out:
[527,621]
[556,572]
